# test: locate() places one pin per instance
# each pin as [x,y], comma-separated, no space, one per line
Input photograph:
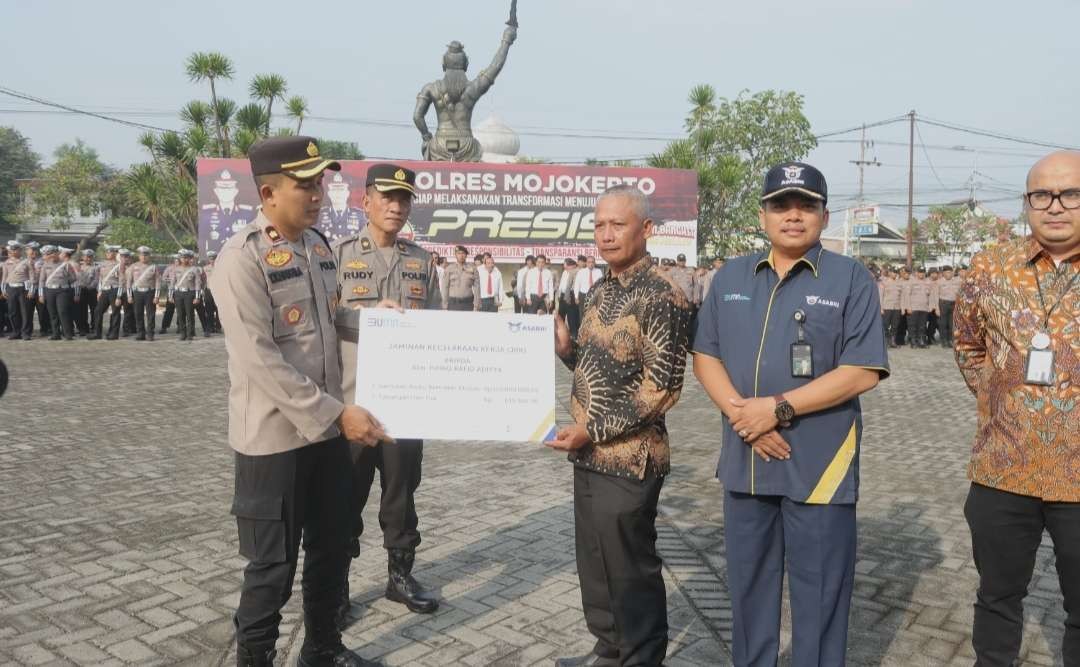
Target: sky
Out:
[579,69]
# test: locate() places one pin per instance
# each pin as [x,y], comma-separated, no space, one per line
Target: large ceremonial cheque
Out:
[509,210]
[457,375]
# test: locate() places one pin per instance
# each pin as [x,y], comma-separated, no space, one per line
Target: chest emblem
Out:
[321,250]
[413,265]
[416,290]
[356,264]
[360,290]
[278,258]
[293,315]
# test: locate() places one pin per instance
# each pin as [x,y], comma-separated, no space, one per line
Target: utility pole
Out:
[861,163]
[911,190]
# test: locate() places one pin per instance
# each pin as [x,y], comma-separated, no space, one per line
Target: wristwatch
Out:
[784,412]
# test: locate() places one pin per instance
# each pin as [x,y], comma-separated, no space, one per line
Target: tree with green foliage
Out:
[952,231]
[210,66]
[17,160]
[297,108]
[731,144]
[339,150]
[268,87]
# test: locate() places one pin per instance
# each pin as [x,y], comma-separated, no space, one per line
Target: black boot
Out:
[341,617]
[330,653]
[402,587]
[255,655]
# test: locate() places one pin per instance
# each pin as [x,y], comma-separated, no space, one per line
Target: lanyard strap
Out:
[1061,296]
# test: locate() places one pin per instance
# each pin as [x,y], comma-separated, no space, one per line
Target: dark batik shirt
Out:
[628,366]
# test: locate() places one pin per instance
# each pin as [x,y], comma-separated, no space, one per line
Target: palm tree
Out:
[268,87]
[197,144]
[297,108]
[146,192]
[251,117]
[196,113]
[211,66]
[223,115]
[172,150]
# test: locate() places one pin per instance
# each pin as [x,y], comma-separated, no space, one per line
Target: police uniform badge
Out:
[413,265]
[293,315]
[365,244]
[274,236]
[402,247]
[278,258]
[321,250]
[360,290]
[357,265]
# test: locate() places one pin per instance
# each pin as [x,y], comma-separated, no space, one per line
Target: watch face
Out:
[784,412]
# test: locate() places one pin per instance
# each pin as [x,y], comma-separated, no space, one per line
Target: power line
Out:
[23,96]
[994,135]
[927,155]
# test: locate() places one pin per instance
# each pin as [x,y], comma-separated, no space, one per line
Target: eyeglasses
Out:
[1040,200]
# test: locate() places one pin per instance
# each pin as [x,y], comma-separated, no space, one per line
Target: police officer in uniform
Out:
[108,286]
[56,289]
[127,321]
[33,251]
[167,278]
[376,268]
[87,292]
[276,289]
[889,293]
[16,280]
[209,305]
[186,293]
[461,283]
[143,285]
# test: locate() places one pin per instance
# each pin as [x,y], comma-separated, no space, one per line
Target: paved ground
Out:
[116,546]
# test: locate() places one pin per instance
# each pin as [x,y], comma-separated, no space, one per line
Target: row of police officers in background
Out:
[916,307]
[108,298]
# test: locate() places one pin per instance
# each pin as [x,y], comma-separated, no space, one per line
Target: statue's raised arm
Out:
[486,77]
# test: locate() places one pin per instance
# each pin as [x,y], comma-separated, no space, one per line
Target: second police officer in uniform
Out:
[376,268]
[276,290]
[142,285]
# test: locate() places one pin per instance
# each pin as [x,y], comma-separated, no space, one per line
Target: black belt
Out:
[461,299]
[345,333]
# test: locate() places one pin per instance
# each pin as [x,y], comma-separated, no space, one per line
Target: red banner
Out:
[509,210]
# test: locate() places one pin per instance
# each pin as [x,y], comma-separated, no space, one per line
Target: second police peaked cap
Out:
[386,177]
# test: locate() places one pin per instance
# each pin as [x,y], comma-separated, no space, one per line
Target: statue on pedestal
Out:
[454,97]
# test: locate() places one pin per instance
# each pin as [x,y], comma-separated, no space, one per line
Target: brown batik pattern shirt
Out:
[1026,441]
[628,365]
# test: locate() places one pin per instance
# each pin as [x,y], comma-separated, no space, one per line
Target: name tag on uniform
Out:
[1040,367]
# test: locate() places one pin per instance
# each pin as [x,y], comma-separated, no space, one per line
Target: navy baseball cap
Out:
[795,177]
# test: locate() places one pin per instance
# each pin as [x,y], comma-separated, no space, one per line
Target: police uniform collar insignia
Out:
[278,257]
[365,245]
[402,247]
[274,235]
[321,250]
[356,264]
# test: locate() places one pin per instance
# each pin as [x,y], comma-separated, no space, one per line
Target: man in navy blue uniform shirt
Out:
[787,339]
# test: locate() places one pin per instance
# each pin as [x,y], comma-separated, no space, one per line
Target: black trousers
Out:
[44,322]
[279,499]
[5,320]
[127,324]
[145,308]
[536,304]
[916,329]
[84,310]
[902,329]
[200,310]
[399,467]
[19,311]
[167,318]
[106,302]
[185,313]
[945,320]
[210,307]
[58,302]
[891,321]
[488,305]
[931,327]
[1006,530]
[459,303]
[622,588]
[517,305]
[573,317]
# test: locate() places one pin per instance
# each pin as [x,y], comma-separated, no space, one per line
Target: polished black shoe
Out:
[401,586]
[590,660]
[331,655]
[255,655]
[140,337]
[162,330]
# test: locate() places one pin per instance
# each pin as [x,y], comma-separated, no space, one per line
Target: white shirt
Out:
[564,284]
[537,276]
[581,281]
[520,288]
[496,290]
